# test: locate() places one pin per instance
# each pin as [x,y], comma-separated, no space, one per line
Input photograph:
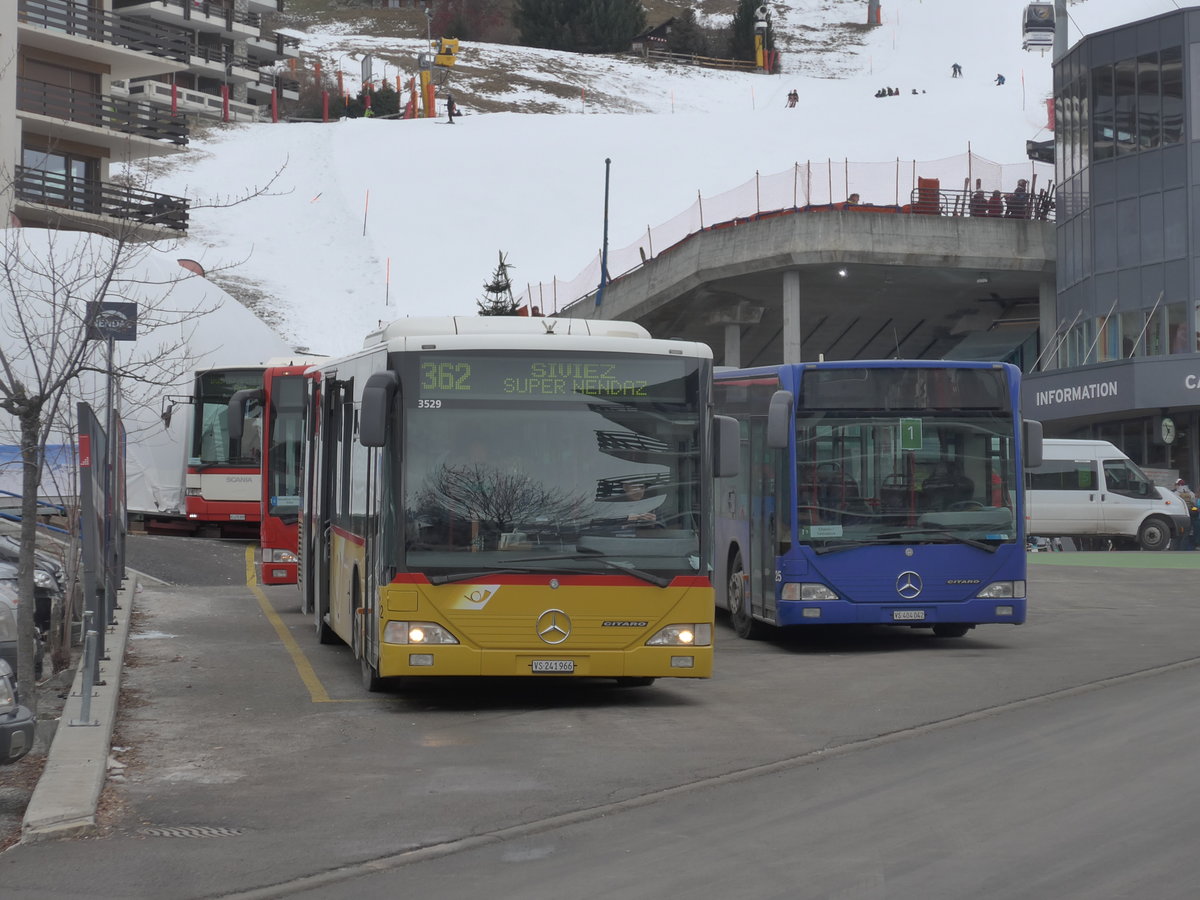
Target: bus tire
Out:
[1154,534]
[950,629]
[631,681]
[740,616]
[371,681]
[325,634]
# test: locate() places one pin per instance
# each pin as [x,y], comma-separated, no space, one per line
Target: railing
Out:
[86,108]
[222,56]
[266,79]
[805,187]
[78,20]
[707,62]
[210,106]
[980,204]
[213,9]
[98,198]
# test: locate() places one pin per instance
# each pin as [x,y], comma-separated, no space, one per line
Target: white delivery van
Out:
[1091,491]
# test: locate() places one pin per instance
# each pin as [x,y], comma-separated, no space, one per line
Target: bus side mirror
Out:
[779,420]
[377,398]
[237,410]
[726,447]
[1033,443]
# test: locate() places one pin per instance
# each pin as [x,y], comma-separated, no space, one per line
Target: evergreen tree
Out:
[498,299]
[742,40]
[592,26]
[687,35]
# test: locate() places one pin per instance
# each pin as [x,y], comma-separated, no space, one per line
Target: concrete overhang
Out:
[870,284]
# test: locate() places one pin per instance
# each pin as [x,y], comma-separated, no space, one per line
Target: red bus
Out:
[280,403]
[224,484]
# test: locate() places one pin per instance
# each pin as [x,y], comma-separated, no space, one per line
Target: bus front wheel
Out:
[743,621]
[950,629]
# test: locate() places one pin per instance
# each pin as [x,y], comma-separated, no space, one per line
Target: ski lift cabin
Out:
[1037,26]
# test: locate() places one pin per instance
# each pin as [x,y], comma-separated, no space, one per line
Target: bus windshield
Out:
[211,444]
[521,462]
[916,476]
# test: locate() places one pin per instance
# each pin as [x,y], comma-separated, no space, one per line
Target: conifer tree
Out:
[498,298]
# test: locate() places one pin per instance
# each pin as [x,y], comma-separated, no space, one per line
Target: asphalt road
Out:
[1053,759]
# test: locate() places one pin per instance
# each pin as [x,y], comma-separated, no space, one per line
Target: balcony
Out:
[209,16]
[267,6]
[186,101]
[269,48]
[129,49]
[51,199]
[289,88]
[99,120]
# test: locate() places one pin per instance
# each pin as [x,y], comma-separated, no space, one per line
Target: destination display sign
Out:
[490,376]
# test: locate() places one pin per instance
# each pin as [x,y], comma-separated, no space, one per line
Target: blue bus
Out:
[874,492]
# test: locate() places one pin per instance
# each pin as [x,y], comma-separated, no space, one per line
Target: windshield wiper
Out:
[483,573]
[901,536]
[598,556]
[970,542]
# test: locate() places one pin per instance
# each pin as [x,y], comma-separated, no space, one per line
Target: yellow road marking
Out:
[307,674]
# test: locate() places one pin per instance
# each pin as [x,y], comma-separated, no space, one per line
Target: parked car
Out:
[45,589]
[16,721]
[8,629]
[10,551]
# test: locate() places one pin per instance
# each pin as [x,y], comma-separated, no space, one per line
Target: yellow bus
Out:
[508,496]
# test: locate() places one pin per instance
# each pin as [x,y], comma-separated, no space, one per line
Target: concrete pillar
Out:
[1047,322]
[791,316]
[733,346]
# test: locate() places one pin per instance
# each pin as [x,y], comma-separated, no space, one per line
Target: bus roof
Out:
[417,326]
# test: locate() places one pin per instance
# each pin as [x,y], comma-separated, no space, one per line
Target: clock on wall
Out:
[1167,430]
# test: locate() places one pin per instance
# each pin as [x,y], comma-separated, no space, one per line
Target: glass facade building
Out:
[1122,352]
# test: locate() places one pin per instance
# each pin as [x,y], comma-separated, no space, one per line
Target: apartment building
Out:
[234,70]
[65,135]
[88,86]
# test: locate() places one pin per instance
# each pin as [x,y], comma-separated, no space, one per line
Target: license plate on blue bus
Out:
[905,615]
[555,666]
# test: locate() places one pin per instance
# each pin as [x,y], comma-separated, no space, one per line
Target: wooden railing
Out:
[119,114]
[707,62]
[78,20]
[90,196]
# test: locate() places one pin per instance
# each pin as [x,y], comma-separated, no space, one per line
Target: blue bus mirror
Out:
[1033,443]
[779,420]
[726,447]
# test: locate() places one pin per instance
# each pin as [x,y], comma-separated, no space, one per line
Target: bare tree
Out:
[52,283]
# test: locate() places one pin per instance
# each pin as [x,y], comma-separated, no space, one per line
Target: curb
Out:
[67,793]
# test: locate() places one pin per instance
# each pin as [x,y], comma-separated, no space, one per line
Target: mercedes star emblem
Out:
[554,626]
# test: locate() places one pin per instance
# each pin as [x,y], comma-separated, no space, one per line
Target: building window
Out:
[1177,328]
[1132,339]
[1103,113]
[1171,62]
[60,179]
[1149,102]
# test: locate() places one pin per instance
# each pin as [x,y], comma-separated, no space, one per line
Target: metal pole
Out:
[88,687]
[604,246]
[1060,31]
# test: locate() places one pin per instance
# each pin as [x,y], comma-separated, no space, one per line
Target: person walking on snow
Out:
[999,80]
[451,109]
[956,71]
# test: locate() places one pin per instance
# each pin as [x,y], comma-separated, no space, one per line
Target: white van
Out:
[1091,491]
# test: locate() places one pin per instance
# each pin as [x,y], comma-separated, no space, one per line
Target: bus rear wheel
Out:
[743,621]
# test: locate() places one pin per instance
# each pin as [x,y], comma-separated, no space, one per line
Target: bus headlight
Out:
[1002,590]
[797,590]
[699,635]
[43,580]
[416,633]
[279,556]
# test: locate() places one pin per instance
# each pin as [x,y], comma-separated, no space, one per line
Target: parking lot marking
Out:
[307,674]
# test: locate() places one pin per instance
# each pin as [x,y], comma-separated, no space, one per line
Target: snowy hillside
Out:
[376,219]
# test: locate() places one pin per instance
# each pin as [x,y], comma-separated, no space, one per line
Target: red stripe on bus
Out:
[589,580]
[349,535]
